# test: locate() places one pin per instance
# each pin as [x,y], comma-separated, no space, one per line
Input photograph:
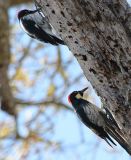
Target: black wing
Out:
[37,31]
[97,129]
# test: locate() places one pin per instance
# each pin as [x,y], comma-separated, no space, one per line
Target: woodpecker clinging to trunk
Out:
[95,118]
[37,26]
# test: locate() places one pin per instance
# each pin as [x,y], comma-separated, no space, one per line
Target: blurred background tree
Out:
[36,120]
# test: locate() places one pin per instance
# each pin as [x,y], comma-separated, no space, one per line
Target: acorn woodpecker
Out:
[96,119]
[35,24]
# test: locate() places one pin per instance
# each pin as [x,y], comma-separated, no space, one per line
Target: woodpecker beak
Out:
[83,90]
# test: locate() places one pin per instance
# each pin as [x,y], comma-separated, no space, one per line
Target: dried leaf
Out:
[51,90]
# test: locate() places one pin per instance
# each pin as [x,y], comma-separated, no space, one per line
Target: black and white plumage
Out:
[96,119]
[37,26]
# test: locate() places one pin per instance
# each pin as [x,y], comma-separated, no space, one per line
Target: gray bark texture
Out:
[98,32]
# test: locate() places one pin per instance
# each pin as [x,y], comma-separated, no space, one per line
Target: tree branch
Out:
[44,103]
[18,2]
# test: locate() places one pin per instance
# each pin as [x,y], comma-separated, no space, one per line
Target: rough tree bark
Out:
[98,32]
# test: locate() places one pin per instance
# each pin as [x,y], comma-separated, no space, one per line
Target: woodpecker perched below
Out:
[37,26]
[96,119]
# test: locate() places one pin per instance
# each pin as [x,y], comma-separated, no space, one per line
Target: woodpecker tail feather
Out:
[108,139]
[117,136]
[58,40]
[115,132]
[108,142]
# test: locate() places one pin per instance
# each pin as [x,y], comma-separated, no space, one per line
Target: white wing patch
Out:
[36,26]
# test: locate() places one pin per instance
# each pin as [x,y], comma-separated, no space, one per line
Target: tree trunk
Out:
[8,103]
[7,100]
[99,35]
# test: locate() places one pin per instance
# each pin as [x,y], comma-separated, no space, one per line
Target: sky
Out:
[79,143]
[129,1]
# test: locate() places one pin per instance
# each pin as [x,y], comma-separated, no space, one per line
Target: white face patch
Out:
[78,96]
[86,96]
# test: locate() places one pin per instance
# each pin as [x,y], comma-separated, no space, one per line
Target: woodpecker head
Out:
[75,96]
[26,12]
